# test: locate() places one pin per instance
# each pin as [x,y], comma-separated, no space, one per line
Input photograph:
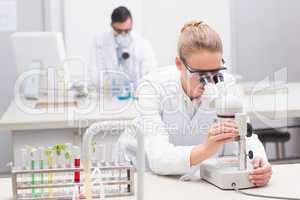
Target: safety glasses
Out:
[121,31]
[206,76]
[196,71]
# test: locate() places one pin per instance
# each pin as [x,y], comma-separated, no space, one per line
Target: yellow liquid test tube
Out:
[49,155]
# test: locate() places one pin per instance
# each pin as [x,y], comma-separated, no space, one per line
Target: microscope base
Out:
[224,175]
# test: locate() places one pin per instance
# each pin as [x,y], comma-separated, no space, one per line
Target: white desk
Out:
[24,117]
[49,127]
[63,124]
[280,103]
[285,182]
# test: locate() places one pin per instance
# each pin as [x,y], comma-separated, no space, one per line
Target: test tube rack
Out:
[114,175]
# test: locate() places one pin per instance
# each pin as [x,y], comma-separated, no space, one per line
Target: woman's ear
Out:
[178,63]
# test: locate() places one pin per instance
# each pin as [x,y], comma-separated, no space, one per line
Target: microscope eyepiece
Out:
[204,79]
[125,55]
[218,78]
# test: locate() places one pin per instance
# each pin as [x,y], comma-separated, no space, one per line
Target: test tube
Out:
[41,159]
[58,159]
[49,154]
[100,154]
[32,167]
[76,156]
[59,163]
[68,165]
[24,166]
[68,162]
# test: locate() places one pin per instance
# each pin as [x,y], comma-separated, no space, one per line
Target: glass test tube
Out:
[115,173]
[68,161]
[100,155]
[41,163]
[68,165]
[76,155]
[24,166]
[59,163]
[32,167]
[49,153]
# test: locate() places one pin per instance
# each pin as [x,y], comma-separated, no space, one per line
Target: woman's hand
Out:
[262,172]
[219,134]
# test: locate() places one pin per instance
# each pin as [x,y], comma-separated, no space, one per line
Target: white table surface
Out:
[93,110]
[283,102]
[284,182]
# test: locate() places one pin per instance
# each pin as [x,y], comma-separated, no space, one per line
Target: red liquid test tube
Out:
[76,151]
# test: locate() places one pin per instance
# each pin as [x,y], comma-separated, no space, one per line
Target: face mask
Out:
[123,40]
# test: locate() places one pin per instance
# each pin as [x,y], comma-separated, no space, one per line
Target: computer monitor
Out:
[47,48]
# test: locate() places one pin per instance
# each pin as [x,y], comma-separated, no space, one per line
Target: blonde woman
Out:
[177,118]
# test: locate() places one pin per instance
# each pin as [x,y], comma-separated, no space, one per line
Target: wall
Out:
[158,21]
[29,19]
[162,21]
[266,38]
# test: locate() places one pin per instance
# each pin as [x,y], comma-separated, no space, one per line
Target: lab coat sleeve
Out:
[163,157]
[149,60]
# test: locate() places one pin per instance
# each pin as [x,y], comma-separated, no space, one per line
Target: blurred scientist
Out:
[122,50]
[177,114]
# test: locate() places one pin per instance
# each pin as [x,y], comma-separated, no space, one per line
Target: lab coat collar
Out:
[187,99]
[190,107]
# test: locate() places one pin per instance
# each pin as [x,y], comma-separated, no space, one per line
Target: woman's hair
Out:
[196,36]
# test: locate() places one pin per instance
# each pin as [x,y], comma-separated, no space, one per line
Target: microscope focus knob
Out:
[249,130]
[250,155]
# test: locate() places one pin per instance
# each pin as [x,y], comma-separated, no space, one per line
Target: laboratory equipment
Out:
[46,48]
[216,78]
[111,186]
[31,85]
[87,150]
[76,154]
[226,172]
[76,76]
[56,182]
[32,154]
[126,91]
[41,162]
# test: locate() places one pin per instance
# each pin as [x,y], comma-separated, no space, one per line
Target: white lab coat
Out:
[104,56]
[169,128]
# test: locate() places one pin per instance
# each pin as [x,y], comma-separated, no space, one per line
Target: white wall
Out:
[266,38]
[158,21]
[29,19]
[162,21]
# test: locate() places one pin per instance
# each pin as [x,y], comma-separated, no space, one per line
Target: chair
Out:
[274,136]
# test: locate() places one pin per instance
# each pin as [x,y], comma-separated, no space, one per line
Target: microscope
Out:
[228,172]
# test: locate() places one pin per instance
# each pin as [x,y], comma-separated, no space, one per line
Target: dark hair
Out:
[120,14]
